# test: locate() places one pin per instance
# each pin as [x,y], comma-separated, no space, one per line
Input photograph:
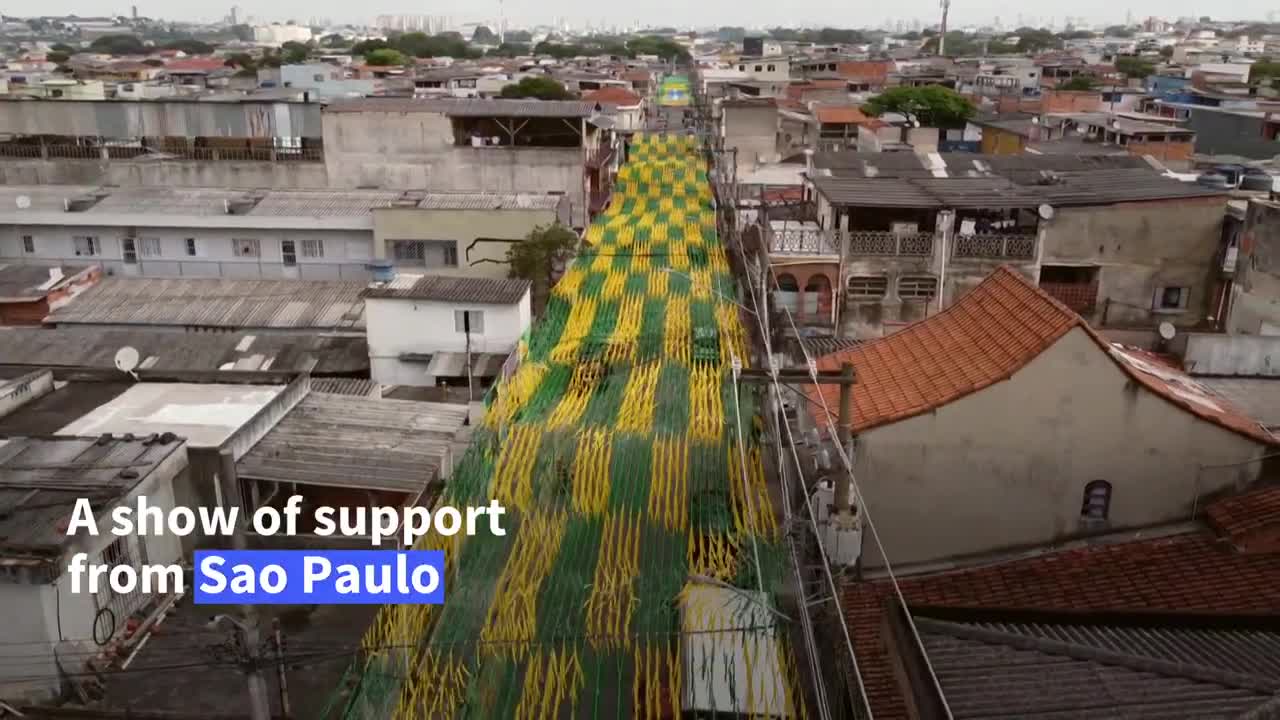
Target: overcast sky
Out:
[680,12]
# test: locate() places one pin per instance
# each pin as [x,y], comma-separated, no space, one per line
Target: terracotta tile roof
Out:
[985,337]
[841,115]
[195,64]
[613,95]
[1241,517]
[1189,573]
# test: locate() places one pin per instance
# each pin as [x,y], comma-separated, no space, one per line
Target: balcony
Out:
[889,244]
[127,152]
[995,246]
[807,238]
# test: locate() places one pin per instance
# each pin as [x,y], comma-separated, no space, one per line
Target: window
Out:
[313,248]
[742,68]
[1097,500]
[246,247]
[129,246]
[151,247]
[759,68]
[191,247]
[427,253]
[918,287]
[289,252]
[772,68]
[317,77]
[1172,298]
[28,244]
[86,245]
[469,321]
[868,287]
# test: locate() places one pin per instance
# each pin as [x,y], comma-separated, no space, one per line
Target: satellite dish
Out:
[1045,211]
[23,202]
[127,360]
[1167,330]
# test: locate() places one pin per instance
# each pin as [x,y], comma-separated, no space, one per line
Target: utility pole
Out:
[249,640]
[841,501]
[280,673]
[942,30]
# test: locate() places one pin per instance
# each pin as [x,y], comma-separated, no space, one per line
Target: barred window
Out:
[917,287]
[246,247]
[313,248]
[1097,500]
[868,287]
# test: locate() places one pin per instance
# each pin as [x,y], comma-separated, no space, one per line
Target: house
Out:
[461,234]
[838,126]
[51,631]
[430,329]
[1008,410]
[1136,247]
[1253,303]
[29,292]
[1175,623]
[628,108]
[751,126]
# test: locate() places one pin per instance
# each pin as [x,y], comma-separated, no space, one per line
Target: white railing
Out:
[996,246]
[864,242]
[802,241]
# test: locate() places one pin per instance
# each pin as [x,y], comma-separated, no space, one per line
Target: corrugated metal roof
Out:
[323,203]
[1097,187]
[466,107]
[440,288]
[218,303]
[88,346]
[43,478]
[874,192]
[354,442]
[490,201]
[167,201]
[359,387]
[33,282]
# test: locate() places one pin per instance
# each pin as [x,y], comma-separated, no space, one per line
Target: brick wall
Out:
[1062,101]
[1175,151]
[869,71]
[1081,297]
[23,313]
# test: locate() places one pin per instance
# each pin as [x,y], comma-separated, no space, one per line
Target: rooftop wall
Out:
[157,118]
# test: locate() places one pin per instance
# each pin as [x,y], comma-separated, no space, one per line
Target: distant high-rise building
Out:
[235,12]
[134,8]
[1128,18]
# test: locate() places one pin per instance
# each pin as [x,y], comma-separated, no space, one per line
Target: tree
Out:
[118,45]
[364,47]
[1262,69]
[333,40]
[484,35]
[1166,52]
[542,88]
[294,53]
[665,48]
[1082,83]
[190,46]
[544,250]
[731,33]
[385,57]
[243,61]
[153,62]
[1120,31]
[1037,40]
[511,49]
[1134,67]
[62,48]
[931,105]
[57,57]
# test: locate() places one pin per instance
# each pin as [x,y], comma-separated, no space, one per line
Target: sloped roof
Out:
[838,115]
[439,288]
[984,338]
[1240,516]
[613,95]
[1187,573]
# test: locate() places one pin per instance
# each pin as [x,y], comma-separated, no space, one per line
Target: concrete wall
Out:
[1242,355]
[1006,467]
[158,118]
[753,130]
[476,257]
[416,150]
[1140,247]
[1221,133]
[397,327]
[345,251]
[1255,300]
[164,173]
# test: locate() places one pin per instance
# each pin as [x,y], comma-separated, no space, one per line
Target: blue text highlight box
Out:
[323,577]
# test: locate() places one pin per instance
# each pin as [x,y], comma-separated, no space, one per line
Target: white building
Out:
[766,69]
[48,629]
[423,330]
[277,34]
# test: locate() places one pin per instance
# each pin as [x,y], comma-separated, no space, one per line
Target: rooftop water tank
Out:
[1214,180]
[1257,182]
[383,270]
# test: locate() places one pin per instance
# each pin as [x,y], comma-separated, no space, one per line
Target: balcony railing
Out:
[126,152]
[890,244]
[995,246]
[802,241]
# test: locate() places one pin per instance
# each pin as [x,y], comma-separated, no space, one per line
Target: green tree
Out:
[931,105]
[190,46]
[1134,67]
[1080,82]
[153,62]
[243,61]
[57,57]
[62,48]
[484,35]
[546,249]
[511,49]
[385,57]
[1120,31]
[665,48]
[542,88]
[1037,40]
[294,53]
[333,40]
[364,47]
[118,45]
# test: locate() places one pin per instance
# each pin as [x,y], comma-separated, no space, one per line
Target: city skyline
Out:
[578,13]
